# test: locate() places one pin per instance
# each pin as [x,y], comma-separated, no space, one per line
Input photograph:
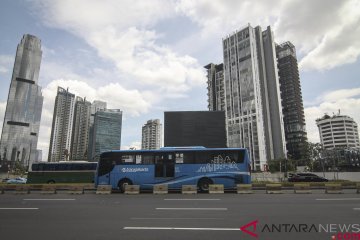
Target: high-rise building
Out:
[252,95]
[292,103]
[95,106]
[152,135]
[338,131]
[216,89]
[195,128]
[80,133]
[61,131]
[21,124]
[106,134]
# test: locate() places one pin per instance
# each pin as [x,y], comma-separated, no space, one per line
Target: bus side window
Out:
[138,159]
[147,158]
[204,157]
[127,159]
[179,157]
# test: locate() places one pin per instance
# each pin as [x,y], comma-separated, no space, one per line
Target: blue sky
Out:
[147,57]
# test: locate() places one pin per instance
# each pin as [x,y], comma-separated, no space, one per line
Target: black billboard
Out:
[195,128]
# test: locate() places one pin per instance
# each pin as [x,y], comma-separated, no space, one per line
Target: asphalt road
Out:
[176,216]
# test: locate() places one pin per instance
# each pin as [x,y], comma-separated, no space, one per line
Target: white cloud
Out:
[325,31]
[345,100]
[133,145]
[6,62]
[340,43]
[122,33]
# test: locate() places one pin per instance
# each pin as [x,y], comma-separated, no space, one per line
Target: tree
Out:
[19,169]
[281,165]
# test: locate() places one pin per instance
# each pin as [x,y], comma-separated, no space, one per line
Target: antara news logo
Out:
[337,231]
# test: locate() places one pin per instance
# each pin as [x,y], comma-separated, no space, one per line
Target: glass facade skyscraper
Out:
[293,108]
[106,132]
[21,124]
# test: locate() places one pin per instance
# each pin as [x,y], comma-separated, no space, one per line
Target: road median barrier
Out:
[132,189]
[244,188]
[333,188]
[216,188]
[189,189]
[160,189]
[22,189]
[302,188]
[357,187]
[76,189]
[274,188]
[103,189]
[48,189]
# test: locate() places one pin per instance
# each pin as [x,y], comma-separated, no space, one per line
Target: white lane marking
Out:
[195,209]
[19,208]
[337,199]
[181,228]
[357,209]
[49,199]
[138,218]
[191,199]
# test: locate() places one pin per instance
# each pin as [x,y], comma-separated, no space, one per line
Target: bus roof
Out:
[166,149]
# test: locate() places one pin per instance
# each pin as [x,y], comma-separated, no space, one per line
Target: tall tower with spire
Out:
[21,124]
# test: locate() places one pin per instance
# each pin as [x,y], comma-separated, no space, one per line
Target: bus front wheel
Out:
[123,182]
[204,183]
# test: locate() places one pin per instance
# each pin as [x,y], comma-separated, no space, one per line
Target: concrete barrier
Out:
[358,188]
[333,188]
[103,189]
[273,188]
[189,189]
[132,189]
[76,189]
[22,189]
[244,188]
[160,189]
[216,188]
[302,188]
[48,189]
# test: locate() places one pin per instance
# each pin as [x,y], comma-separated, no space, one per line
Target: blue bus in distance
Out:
[174,166]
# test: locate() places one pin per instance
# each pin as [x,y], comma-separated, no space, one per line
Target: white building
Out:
[152,135]
[252,95]
[61,131]
[338,131]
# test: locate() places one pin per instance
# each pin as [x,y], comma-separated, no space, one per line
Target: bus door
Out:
[164,165]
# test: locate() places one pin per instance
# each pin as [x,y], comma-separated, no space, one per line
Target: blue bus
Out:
[174,166]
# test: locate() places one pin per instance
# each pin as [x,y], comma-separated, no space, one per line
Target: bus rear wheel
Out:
[123,182]
[204,183]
